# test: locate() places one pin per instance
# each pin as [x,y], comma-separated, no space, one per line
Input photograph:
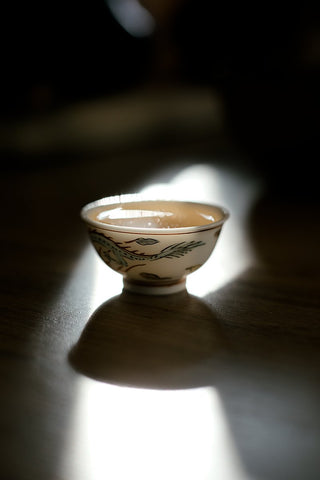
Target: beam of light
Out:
[233,253]
[132,16]
[105,283]
[120,433]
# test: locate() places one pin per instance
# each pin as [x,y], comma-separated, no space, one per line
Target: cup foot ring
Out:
[154,289]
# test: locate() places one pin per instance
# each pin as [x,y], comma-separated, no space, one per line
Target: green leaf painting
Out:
[146,241]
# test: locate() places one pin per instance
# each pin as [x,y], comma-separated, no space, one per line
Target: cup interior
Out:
[135,213]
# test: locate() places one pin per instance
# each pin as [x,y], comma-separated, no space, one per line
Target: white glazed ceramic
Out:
[153,260]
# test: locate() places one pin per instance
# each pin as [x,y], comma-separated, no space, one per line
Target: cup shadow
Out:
[151,342]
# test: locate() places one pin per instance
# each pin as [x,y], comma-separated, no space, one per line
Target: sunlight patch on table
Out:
[120,433]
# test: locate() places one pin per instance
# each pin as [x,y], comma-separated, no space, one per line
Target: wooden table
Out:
[221,382]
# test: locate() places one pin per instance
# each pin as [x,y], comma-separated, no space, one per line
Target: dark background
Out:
[262,61]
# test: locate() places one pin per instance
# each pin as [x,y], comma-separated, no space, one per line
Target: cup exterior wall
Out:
[162,258]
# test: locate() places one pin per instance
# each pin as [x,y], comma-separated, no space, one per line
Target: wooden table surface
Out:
[221,382]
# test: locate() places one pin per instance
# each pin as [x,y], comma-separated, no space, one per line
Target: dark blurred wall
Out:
[263,59]
[61,51]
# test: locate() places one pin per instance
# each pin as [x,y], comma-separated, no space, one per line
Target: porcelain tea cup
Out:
[154,244]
